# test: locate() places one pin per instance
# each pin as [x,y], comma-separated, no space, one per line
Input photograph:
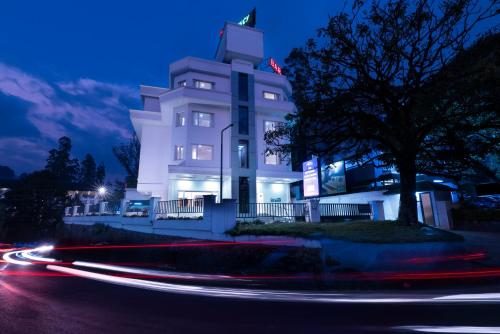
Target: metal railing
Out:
[270,210]
[180,206]
[344,210]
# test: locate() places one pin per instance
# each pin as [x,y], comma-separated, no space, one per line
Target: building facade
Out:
[180,127]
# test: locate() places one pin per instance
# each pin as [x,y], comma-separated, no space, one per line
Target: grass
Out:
[357,231]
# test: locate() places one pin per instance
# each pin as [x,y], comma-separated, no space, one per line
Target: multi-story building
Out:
[180,127]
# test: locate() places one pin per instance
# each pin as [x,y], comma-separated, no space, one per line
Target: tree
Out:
[6,173]
[128,156]
[35,206]
[100,173]
[60,164]
[377,85]
[88,173]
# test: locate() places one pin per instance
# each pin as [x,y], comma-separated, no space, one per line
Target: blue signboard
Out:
[310,174]
[333,178]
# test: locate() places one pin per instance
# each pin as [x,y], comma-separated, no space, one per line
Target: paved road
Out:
[32,304]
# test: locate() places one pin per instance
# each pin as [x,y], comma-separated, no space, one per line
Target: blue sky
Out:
[73,67]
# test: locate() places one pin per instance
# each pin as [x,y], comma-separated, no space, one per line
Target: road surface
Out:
[55,304]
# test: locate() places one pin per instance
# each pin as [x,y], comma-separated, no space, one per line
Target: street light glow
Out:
[102,191]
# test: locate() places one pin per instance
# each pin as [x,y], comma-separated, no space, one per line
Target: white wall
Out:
[267,191]
[391,202]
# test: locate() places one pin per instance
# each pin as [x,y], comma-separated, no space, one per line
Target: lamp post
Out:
[221,159]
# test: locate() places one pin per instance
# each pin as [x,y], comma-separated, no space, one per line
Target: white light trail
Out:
[27,254]
[8,257]
[158,273]
[450,329]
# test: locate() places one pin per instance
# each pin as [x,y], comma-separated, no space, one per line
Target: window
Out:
[180,120]
[271,125]
[243,86]
[202,152]
[243,153]
[243,120]
[244,194]
[179,152]
[203,119]
[204,84]
[271,159]
[182,83]
[271,96]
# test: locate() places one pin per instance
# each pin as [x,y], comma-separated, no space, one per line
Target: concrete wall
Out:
[217,219]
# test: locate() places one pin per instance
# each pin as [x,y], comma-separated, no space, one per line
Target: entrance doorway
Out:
[427,211]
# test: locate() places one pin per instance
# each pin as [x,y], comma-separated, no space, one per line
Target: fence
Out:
[341,210]
[180,207]
[271,210]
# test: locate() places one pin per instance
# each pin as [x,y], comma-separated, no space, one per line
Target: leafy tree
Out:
[128,156]
[35,206]
[60,164]
[88,173]
[379,85]
[6,173]
[100,173]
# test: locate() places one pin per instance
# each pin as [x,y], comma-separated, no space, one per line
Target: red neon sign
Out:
[274,65]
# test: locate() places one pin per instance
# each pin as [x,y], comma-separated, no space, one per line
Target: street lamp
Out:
[102,191]
[221,160]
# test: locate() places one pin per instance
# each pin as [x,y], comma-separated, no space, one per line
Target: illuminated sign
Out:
[333,178]
[274,65]
[249,20]
[310,175]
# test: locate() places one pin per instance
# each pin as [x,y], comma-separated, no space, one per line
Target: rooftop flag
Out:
[250,19]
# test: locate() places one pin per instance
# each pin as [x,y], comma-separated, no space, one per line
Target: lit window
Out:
[180,120]
[202,152]
[271,96]
[203,119]
[272,159]
[204,84]
[179,152]
[243,153]
[182,83]
[271,125]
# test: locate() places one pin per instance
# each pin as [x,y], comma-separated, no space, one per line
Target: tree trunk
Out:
[408,186]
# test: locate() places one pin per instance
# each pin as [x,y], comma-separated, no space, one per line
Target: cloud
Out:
[55,114]
[92,113]
[23,153]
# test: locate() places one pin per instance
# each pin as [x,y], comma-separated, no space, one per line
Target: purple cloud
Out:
[93,113]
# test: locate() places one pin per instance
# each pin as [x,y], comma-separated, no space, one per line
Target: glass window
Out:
[272,159]
[204,84]
[202,152]
[243,153]
[182,83]
[243,120]
[180,120]
[179,152]
[203,119]
[243,86]
[244,194]
[271,96]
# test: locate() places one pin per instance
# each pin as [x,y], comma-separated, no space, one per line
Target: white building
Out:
[180,127]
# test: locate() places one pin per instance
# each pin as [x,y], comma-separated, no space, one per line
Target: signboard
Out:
[250,19]
[333,178]
[274,65]
[310,175]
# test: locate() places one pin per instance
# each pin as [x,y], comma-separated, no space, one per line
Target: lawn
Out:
[357,231]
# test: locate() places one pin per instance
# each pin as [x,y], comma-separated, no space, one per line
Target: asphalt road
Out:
[33,304]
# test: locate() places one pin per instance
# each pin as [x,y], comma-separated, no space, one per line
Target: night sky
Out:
[73,67]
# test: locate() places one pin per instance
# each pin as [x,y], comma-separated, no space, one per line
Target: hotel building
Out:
[180,127]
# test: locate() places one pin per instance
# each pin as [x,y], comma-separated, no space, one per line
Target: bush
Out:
[476,214]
